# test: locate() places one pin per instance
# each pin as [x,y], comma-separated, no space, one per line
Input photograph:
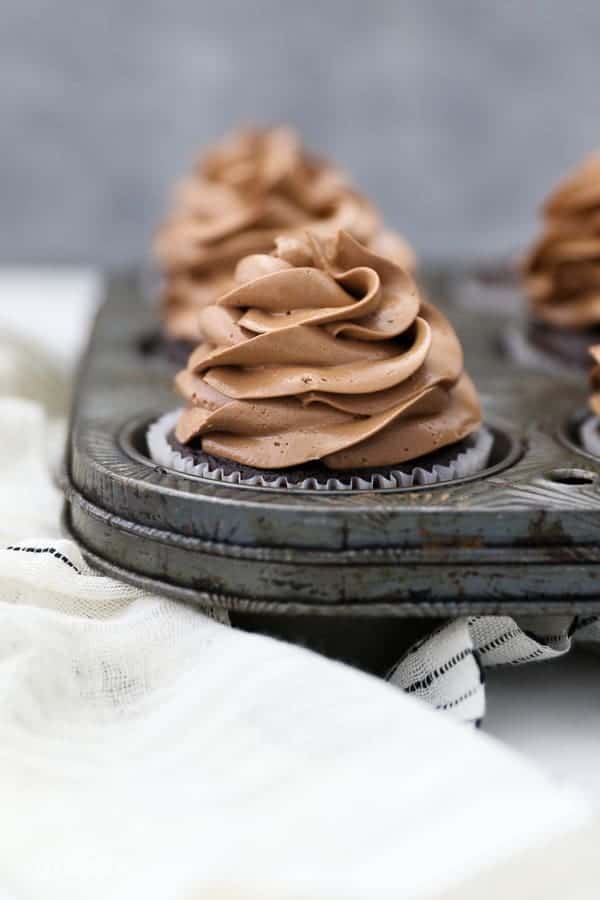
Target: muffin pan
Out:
[521,537]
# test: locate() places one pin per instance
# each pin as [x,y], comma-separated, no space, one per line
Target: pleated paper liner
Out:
[460,460]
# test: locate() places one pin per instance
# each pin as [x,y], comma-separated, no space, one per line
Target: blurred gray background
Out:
[456,116]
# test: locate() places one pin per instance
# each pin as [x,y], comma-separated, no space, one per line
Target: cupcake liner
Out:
[589,435]
[469,459]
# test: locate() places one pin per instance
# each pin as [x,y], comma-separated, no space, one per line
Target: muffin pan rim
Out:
[366,610]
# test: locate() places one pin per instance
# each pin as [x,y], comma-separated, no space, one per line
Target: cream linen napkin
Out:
[150,751]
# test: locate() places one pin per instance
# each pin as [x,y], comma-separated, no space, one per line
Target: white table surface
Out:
[53,307]
[549,711]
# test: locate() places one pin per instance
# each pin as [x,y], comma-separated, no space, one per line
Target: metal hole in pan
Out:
[507,449]
[571,477]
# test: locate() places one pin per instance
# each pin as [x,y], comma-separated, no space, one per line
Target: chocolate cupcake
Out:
[253,187]
[323,368]
[589,433]
[562,270]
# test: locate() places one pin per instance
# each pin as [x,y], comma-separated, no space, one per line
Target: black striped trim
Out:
[466,696]
[544,643]
[499,641]
[520,660]
[423,683]
[546,639]
[52,551]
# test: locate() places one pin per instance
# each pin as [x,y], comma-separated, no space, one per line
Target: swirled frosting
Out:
[324,351]
[562,270]
[594,377]
[252,187]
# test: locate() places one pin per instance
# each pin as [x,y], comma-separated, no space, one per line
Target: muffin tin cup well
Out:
[472,458]
[525,340]
[520,537]
[580,433]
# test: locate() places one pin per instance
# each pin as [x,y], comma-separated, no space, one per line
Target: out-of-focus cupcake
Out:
[562,270]
[324,368]
[253,186]
[595,380]
[590,430]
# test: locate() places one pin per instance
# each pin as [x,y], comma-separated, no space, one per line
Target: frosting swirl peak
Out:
[324,351]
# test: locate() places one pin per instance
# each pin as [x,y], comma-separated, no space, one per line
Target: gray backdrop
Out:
[456,116]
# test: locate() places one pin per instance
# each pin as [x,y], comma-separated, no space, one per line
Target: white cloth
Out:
[147,750]
[447,668]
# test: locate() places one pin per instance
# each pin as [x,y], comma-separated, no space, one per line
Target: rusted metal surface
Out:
[526,537]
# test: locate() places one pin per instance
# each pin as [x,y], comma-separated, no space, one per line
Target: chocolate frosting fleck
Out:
[253,187]
[324,351]
[562,270]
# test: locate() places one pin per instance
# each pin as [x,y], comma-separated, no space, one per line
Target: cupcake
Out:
[562,270]
[590,430]
[323,368]
[254,186]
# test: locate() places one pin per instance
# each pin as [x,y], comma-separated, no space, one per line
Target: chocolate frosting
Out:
[324,351]
[251,188]
[595,380]
[562,270]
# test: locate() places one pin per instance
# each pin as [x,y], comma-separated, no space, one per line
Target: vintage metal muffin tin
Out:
[342,572]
